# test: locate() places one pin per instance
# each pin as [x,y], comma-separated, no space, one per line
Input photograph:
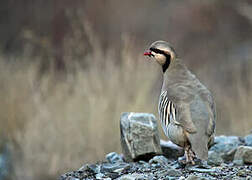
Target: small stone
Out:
[72,178]
[156,165]
[113,157]
[94,168]
[83,168]
[139,136]
[112,175]
[241,173]
[249,178]
[174,173]
[133,176]
[214,158]
[248,140]
[243,154]
[201,170]
[163,161]
[99,176]
[116,167]
[193,177]
[171,150]
[182,178]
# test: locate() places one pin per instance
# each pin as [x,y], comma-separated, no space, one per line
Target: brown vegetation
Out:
[56,120]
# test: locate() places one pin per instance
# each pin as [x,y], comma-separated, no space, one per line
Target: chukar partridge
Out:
[186,107]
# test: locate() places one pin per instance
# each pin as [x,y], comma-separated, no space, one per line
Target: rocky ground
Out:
[146,157]
[229,158]
[158,168]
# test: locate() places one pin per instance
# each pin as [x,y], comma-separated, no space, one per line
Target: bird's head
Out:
[162,52]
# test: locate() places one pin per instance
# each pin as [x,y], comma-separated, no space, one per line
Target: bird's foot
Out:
[189,155]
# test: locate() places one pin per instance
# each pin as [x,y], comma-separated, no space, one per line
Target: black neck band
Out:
[167,62]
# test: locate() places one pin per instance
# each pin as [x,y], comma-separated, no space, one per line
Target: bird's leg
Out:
[189,155]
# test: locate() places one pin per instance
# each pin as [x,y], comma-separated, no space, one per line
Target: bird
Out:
[186,107]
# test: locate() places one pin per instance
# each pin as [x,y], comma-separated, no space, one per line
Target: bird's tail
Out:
[199,145]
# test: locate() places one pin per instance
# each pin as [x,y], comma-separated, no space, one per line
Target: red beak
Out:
[147,53]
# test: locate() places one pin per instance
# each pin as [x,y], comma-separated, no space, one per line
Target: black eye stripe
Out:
[158,51]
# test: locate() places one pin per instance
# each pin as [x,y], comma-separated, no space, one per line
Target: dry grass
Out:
[231,86]
[75,120]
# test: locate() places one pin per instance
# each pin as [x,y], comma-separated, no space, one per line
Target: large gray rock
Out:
[248,140]
[243,155]
[139,136]
[171,150]
[226,146]
[214,158]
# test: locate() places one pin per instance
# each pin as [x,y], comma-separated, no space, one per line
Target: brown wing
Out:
[210,104]
[181,99]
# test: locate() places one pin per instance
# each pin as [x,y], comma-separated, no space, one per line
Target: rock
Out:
[182,178]
[72,178]
[201,170]
[94,168]
[171,150]
[214,158]
[243,173]
[243,155]
[113,157]
[168,174]
[133,176]
[139,136]
[163,161]
[226,146]
[248,140]
[115,167]
[174,173]
[99,176]
[238,162]
[159,167]
[5,160]
[193,177]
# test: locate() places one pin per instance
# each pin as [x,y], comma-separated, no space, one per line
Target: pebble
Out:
[163,161]
[201,170]
[174,173]
[193,177]
[113,157]
[116,167]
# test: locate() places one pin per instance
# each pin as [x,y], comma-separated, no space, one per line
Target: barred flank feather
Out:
[167,111]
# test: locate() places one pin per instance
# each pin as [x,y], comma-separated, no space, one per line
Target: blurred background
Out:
[68,69]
